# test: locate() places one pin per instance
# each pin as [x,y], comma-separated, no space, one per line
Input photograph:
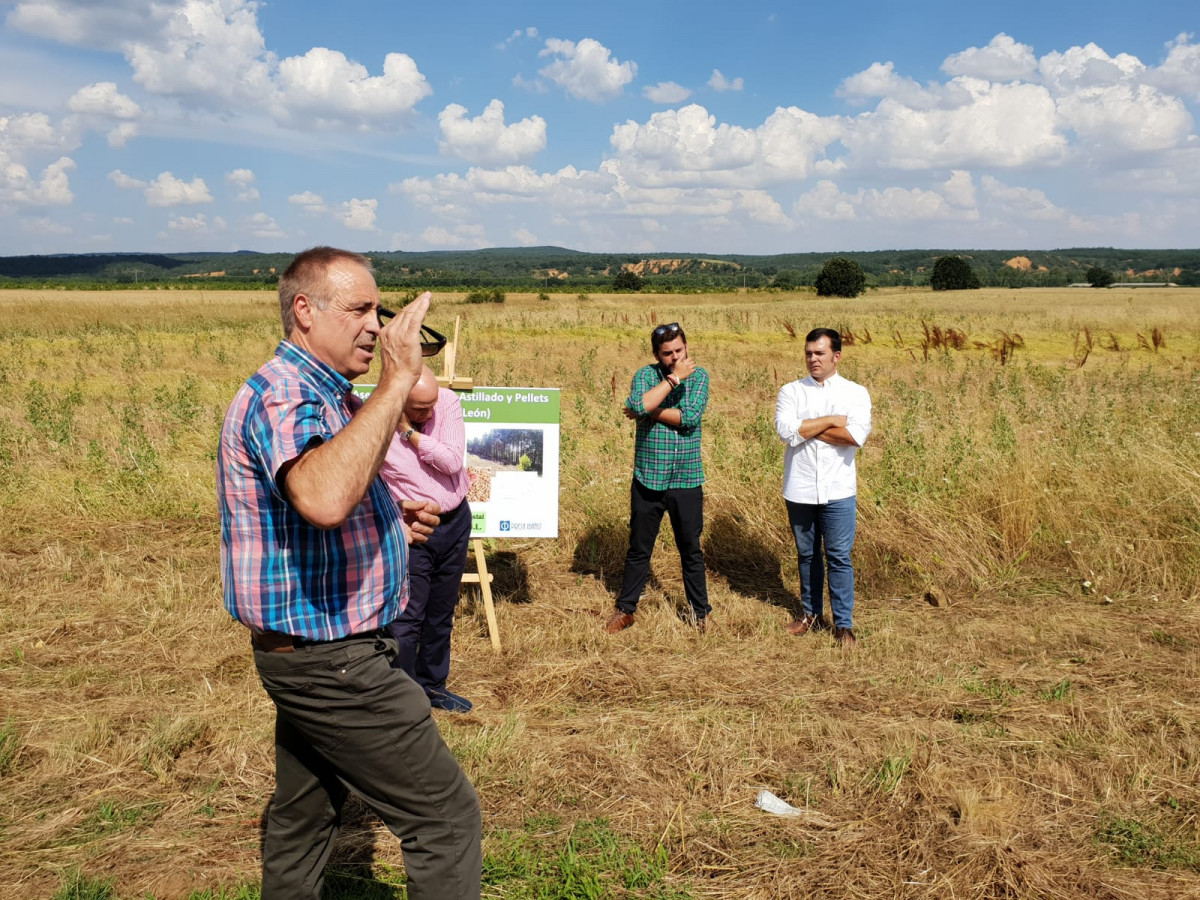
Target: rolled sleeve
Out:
[858,417]
[788,417]
[695,399]
[643,380]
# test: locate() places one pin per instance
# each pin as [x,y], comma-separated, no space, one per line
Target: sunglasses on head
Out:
[432,341]
[662,331]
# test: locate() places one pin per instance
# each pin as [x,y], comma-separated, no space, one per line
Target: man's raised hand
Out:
[684,368]
[400,341]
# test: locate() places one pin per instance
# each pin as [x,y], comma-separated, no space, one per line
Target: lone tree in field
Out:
[841,277]
[953,273]
[627,280]
[1098,277]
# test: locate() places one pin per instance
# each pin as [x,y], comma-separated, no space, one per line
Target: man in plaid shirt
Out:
[667,400]
[314,563]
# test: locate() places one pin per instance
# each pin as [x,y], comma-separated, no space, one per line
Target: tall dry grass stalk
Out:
[1030,731]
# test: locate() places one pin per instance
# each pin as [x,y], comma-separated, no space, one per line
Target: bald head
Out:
[423,397]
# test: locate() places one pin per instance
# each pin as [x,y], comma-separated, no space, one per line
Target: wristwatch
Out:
[407,435]
[672,380]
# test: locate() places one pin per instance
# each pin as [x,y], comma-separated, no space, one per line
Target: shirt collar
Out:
[835,377]
[326,377]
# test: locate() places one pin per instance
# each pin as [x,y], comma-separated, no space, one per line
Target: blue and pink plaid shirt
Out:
[280,573]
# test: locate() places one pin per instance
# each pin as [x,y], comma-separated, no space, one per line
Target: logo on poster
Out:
[509,525]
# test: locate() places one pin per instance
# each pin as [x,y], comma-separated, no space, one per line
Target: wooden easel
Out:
[482,576]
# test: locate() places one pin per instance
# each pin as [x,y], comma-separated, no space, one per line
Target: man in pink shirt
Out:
[426,462]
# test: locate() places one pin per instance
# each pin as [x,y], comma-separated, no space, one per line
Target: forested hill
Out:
[561,270]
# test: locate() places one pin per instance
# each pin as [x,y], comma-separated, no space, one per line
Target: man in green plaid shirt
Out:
[667,400]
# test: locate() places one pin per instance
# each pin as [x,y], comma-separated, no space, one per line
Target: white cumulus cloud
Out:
[825,201]
[212,54]
[167,190]
[1004,59]
[486,139]
[880,80]
[666,92]
[688,146]
[1126,117]
[208,52]
[263,226]
[1003,125]
[888,205]
[243,180]
[103,99]
[1021,203]
[128,182]
[719,82]
[519,33]
[311,203]
[120,134]
[1086,67]
[53,188]
[325,84]
[358,215]
[959,188]
[586,70]
[31,133]
[86,23]
[1180,72]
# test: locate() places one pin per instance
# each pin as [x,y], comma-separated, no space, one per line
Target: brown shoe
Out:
[803,625]
[845,637]
[702,626]
[618,621]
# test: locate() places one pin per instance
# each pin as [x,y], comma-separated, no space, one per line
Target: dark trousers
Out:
[686,510]
[435,571]
[346,721]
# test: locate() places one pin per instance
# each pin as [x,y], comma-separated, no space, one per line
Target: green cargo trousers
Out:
[346,721]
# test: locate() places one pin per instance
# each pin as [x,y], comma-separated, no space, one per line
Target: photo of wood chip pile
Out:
[481,485]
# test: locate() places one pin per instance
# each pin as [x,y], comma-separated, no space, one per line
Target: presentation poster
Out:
[512,459]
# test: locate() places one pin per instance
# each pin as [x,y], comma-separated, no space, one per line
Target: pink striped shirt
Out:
[435,470]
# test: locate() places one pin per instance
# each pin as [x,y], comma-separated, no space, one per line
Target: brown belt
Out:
[277,642]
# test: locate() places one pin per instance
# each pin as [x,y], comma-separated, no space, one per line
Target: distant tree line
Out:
[558,270]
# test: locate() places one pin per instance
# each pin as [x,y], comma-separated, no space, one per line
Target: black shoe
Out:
[449,701]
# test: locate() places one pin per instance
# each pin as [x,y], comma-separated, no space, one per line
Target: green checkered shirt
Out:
[667,457]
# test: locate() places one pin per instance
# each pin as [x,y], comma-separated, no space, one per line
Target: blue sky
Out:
[626,127]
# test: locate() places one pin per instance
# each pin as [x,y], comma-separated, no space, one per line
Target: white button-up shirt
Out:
[813,470]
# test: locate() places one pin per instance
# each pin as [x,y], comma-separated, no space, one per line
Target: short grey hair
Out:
[306,275]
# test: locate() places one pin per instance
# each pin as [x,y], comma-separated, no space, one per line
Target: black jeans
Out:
[686,510]
[347,721]
[435,571]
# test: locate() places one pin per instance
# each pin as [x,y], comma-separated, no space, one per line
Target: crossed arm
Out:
[847,429]
[649,402]
[830,429]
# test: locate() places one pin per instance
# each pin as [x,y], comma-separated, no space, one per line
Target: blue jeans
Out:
[829,526]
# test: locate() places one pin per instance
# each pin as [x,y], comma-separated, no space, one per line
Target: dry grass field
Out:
[1020,719]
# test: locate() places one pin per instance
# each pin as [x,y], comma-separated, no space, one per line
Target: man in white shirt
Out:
[823,419]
